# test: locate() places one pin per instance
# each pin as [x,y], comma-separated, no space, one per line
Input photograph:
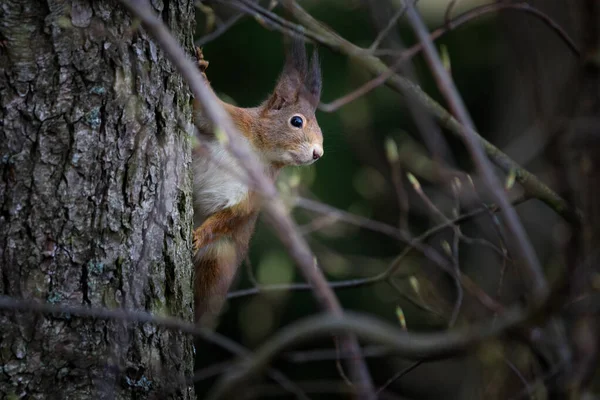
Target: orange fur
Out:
[222,224]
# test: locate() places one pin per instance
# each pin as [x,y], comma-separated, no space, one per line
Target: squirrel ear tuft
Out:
[295,60]
[291,79]
[313,79]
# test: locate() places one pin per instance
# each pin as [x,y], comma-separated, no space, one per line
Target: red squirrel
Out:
[283,131]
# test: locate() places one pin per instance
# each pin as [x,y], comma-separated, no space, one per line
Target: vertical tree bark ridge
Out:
[95,199]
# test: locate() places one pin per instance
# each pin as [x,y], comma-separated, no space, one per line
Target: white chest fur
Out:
[218,181]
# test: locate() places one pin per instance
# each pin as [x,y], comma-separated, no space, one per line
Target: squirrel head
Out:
[289,132]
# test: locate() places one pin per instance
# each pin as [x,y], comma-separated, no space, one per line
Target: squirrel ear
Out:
[291,79]
[313,79]
[295,56]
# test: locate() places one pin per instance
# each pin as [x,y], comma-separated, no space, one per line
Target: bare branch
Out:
[323,35]
[239,350]
[449,25]
[428,251]
[346,284]
[405,344]
[449,91]
[448,12]
[394,267]
[384,32]
[220,30]
[527,386]
[399,375]
[304,356]
[141,317]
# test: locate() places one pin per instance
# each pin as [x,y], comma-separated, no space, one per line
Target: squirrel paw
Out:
[202,63]
[201,238]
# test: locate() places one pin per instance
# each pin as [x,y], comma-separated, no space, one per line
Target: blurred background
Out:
[491,60]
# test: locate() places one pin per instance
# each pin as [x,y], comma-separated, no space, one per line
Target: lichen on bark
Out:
[95,199]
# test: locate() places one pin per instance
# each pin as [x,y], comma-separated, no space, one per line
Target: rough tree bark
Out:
[95,199]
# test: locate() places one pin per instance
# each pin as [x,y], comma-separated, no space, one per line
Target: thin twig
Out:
[384,32]
[393,269]
[338,363]
[413,244]
[448,26]
[477,12]
[548,379]
[515,370]
[455,260]
[520,240]
[354,219]
[396,167]
[220,30]
[369,85]
[428,251]
[317,224]
[417,303]
[210,371]
[438,214]
[287,384]
[448,13]
[345,284]
[269,19]
[399,375]
[305,356]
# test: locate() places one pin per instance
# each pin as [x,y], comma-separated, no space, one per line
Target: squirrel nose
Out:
[317,152]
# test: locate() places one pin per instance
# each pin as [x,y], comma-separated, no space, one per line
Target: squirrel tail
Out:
[214,272]
[220,243]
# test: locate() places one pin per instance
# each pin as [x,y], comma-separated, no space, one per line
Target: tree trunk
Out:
[95,200]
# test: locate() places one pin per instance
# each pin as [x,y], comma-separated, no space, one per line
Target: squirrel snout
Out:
[317,152]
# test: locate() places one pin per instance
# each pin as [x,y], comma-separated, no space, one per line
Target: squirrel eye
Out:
[296,121]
